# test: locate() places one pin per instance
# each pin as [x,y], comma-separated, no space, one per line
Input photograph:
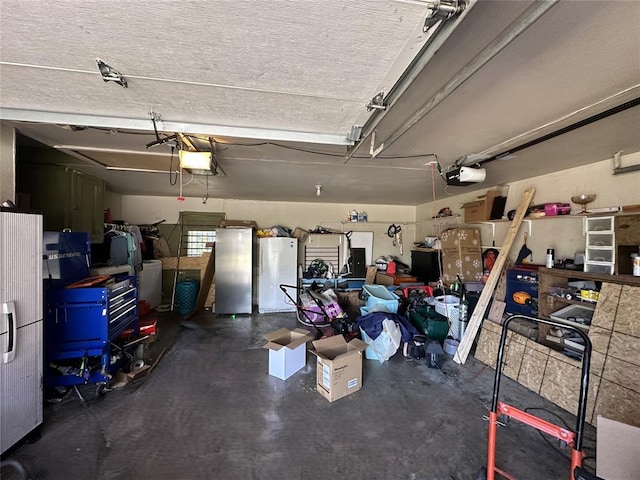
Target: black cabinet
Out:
[424,265]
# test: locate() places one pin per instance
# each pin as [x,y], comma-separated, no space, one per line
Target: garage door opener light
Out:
[195,160]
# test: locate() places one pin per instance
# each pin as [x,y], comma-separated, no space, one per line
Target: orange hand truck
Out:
[572,439]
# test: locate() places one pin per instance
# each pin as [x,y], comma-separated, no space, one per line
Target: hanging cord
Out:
[433,210]
[181,198]
[172,179]
[206,195]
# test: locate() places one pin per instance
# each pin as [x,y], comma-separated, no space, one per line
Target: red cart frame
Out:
[572,439]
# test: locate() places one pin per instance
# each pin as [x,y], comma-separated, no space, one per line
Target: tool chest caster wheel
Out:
[101,390]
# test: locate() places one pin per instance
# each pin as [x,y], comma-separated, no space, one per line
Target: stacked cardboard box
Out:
[461,254]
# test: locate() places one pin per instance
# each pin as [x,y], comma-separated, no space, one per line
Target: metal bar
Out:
[577,456]
[415,68]
[537,423]
[584,376]
[630,168]
[491,446]
[145,124]
[175,274]
[569,128]
[513,31]
[86,148]
[504,474]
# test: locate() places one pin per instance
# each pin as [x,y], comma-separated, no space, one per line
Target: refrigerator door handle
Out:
[9,310]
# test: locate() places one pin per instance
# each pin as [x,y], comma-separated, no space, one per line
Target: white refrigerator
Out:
[20,326]
[277,264]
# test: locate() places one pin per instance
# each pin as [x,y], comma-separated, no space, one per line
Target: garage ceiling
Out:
[279,84]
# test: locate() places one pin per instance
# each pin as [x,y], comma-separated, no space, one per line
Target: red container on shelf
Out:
[425,288]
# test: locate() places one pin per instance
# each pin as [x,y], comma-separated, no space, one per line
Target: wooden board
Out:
[496,311]
[205,284]
[501,288]
[371,275]
[487,292]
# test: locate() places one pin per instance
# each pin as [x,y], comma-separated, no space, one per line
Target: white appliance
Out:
[235,263]
[150,282]
[20,326]
[277,264]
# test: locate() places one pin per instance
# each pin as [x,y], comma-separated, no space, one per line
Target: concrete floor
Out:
[209,410]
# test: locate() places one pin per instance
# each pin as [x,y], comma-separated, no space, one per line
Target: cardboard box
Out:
[461,254]
[300,234]
[238,223]
[616,456]
[488,207]
[287,351]
[339,366]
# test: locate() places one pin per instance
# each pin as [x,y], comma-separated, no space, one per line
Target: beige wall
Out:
[563,234]
[7,162]
[113,201]
[143,209]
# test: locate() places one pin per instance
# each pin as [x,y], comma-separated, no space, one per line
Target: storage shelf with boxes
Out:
[489,206]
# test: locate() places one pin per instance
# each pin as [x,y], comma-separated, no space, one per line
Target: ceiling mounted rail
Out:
[513,31]
[438,37]
[569,128]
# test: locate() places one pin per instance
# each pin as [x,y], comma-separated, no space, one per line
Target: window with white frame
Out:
[199,242]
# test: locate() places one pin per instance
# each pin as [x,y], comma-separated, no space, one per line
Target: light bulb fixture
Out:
[195,160]
[318,190]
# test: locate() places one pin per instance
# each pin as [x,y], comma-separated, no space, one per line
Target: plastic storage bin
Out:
[449,306]
[379,294]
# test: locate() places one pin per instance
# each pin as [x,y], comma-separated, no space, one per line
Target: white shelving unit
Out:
[600,254]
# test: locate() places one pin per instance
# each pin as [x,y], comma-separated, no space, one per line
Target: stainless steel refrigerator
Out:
[277,264]
[234,270]
[20,326]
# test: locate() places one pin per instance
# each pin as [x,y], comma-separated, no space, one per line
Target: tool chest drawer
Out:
[81,328]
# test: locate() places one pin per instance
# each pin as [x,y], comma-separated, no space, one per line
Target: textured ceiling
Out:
[274,72]
[291,65]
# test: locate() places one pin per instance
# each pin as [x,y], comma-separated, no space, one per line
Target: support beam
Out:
[503,40]
[145,124]
[435,42]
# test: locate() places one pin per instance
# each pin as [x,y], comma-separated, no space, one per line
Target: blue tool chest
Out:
[522,290]
[81,330]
